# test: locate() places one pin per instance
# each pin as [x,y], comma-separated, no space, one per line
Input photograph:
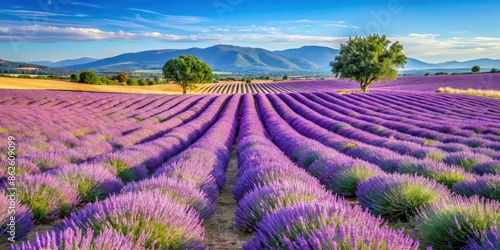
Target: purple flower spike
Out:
[487,185]
[161,220]
[178,190]
[286,225]
[23,218]
[78,239]
[355,236]
[92,181]
[398,196]
[263,201]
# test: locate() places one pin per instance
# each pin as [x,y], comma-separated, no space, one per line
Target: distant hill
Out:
[320,56]
[64,63]
[7,67]
[242,59]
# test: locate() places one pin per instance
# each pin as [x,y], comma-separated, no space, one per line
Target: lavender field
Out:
[308,169]
[406,83]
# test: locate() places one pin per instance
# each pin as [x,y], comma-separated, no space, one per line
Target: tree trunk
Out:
[184,90]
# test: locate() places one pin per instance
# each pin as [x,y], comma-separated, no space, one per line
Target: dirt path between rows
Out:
[221,232]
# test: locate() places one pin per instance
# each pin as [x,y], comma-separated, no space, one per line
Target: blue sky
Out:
[433,31]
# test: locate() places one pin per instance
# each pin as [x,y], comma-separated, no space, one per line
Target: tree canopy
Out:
[187,71]
[89,77]
[476,69]
[369,59]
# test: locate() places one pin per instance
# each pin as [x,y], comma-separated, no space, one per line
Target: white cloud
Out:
[424,35]
[85,4]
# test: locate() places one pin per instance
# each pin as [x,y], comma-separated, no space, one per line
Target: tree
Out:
[122,77]
[494,70]
[74,78]
[187,71]
[132,82]
[286,77]
[368,60]
[248,80]
[143,82]
[89,77]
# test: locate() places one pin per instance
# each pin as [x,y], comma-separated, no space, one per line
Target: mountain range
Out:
[240,59]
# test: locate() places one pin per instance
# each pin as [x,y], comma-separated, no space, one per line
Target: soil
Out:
[221,232]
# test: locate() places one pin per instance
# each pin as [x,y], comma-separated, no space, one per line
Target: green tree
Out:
[89,77]
[143,82]
[132,82]
[122,77]
[286,77]
[368,60]
[494,70]
[248,80]
[476,69]
[187,71]
[106,80]
[74,78]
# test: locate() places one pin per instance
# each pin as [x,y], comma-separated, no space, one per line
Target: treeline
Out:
[7,67]
[91,77]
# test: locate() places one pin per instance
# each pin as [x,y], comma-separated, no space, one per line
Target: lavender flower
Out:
[355,236]
[466,160]
[448,223]
[23,217]
[46,197]
[487,185]
[301,220]
[398,197]
[77,239]
[265,200]
[488,167]
[162,221]
[92,181]
[178,190]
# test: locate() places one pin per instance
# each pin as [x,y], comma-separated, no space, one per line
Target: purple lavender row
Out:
[408,128]
[465,159]
[326,109]
[287,208]
[384,158]
[57,189]
[354,176]
[371,101]
[172,118]
[437,122]
[402,196]
[374,102]
[185,194]
[486,186]
[42,161]
[428,105]
[169,224]
[320,115]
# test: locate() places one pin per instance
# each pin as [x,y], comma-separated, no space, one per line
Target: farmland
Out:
[291,170]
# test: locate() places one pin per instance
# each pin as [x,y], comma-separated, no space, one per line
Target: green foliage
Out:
[143,82]
[89,77]
[368,60]
[106,80]
[441,73]
[187,71]
[448,223]
[476,69]
[132,82]
[122,77]
[286,77]
[24,76]
[494,70]
[427,73]
[248,80]
[74,78]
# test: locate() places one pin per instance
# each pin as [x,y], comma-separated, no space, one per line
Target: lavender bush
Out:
[160,220]
[398,197]
[450,222]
